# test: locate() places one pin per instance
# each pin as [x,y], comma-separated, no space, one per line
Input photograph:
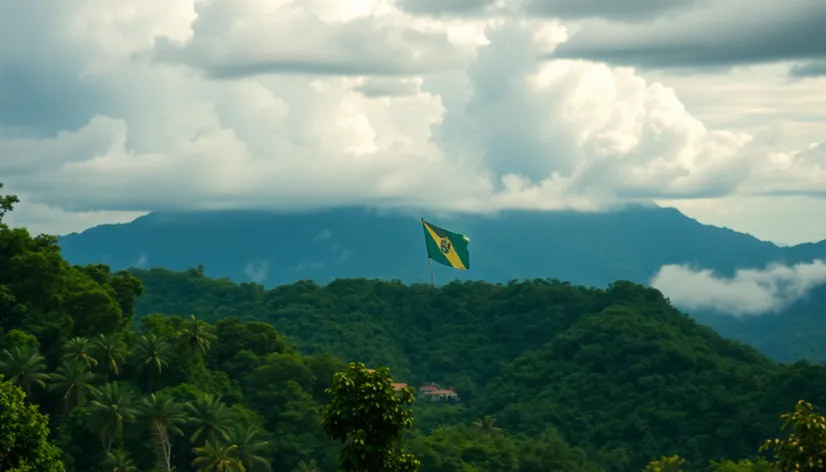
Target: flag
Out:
[446,247]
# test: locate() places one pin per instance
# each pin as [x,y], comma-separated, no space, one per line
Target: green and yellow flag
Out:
[446,247]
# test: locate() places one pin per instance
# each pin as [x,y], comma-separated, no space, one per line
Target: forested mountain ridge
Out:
[270,248]
[592,249]
[617,371]
[175,393]
[90,383]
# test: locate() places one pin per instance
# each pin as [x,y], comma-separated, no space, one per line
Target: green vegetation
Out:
[369,417]
[24,435]
[552,377]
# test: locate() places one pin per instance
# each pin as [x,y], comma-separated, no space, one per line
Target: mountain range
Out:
[583,248]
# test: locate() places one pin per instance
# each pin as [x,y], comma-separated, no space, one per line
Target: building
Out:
[435,392]
[431,391]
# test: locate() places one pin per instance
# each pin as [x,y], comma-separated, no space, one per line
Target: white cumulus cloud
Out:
[749,292]
[124,107]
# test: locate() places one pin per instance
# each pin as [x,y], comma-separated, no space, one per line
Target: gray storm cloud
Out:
[748,293]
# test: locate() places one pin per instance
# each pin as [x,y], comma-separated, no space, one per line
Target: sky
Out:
[113,108]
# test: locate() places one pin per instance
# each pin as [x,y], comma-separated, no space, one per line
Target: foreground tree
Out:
[369,416]
[23,435]
[805,448]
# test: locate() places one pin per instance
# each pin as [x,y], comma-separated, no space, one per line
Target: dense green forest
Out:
[156,370]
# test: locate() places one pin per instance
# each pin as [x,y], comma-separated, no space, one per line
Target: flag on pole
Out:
[446,247]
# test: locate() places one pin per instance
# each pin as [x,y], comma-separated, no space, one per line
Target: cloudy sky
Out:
[112,108]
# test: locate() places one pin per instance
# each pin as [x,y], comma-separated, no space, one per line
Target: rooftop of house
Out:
[447,392]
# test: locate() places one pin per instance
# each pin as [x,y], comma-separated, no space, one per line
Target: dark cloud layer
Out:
[738,32]
[222,50]
[445,7]
[809,69]
[628,10]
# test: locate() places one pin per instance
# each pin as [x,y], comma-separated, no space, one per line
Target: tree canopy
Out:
[160,370]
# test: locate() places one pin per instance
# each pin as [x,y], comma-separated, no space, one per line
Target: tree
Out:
[196,337]
[6,203]
[251,447]
[80,348]
[311,466]
[666,464]
[152,353]
[211,418]
[744,465]
[217,457]
[164,416]
[119,461]
[23,435]
[369,416]
[111,352]
[74,381]
[23,366]
[486,426]
[111,409]
[805,447]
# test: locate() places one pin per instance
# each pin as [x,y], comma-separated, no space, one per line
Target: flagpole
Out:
[429,260]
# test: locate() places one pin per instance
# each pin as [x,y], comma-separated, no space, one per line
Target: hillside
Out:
[86,389]
[578,379]
[617,372]
[591,249]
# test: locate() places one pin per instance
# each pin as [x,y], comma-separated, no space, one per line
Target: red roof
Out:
[441,392]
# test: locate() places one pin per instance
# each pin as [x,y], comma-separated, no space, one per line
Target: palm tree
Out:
[215,457]
[486,426]
[75,382]
[164,416]
[312,466]
[23,366]
[196,336]
[111,352]
[252,448]
[119,461]
[112,407]
[211,418]
[80,349]
[153,353]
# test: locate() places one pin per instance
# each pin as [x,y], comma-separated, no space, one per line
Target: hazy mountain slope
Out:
[272,248]
[593,249]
